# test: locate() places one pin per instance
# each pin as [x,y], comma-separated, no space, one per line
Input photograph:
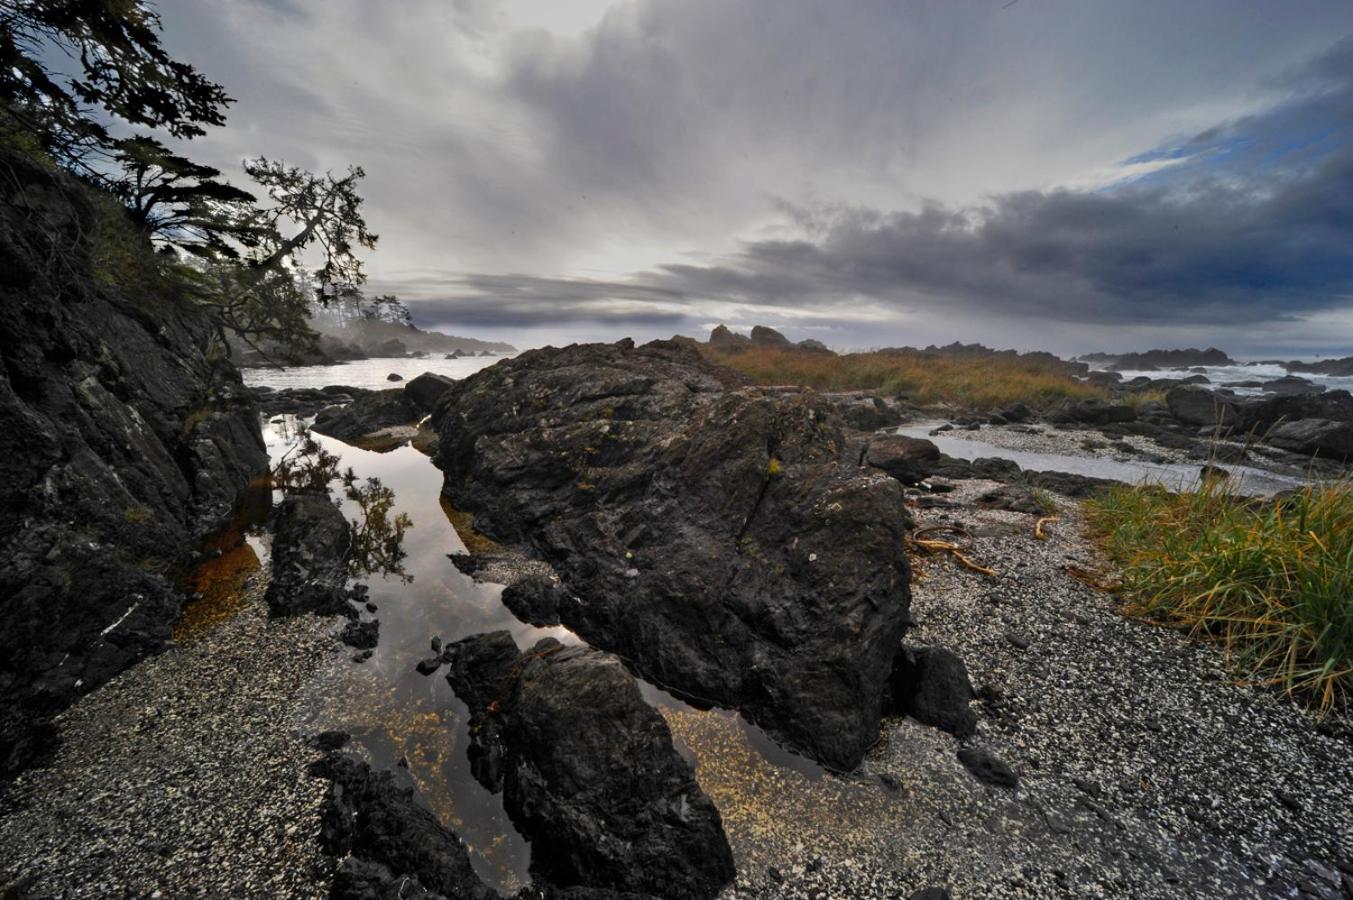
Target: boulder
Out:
[1196,405]
[424,391]
[931,685]
[386,843]
[813,346]
[310,548]
[367,414]
[715,535]
[1292,384]
[1315,437]
[1261,415]
[866,412]
[587,770]
[907,459]
[764,336]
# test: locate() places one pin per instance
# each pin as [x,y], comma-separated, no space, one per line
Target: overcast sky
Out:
[1040,174]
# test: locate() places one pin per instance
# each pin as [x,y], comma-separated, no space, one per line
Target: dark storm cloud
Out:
[1260,230]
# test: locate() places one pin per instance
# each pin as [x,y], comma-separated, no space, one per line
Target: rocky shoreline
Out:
[1027,739]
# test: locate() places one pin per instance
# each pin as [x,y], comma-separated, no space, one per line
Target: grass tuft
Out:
[1271,580]
[921,377]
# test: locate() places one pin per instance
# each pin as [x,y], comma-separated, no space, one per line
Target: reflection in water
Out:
[228,558]
[400,717]
[377,537]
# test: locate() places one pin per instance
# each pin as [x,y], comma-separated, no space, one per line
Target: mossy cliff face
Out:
[123,444]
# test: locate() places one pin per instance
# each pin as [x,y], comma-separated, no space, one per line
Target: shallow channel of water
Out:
[400,717]
[1174,476]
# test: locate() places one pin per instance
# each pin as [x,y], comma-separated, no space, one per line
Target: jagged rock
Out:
[907,459]
[765,336]
[588,771]
[713,534]
[1197,405]
[534,600]
[311,545]
[303,401]
[726,339]
[931,685]
[424,391]
[1015,413]
[813,346]
[390,846]
[367,414]
[123,445]
[866,412]
[361,635]
[1315,437]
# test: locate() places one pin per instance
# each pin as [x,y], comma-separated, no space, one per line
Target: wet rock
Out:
[1261,416]
[361,635]
[390,846]
[1292,384]
[367,414]
[534,600]
[394,376]
[931,685]
[713,534]
[311,545]
[429,665]
[907,459]
[424,391]
[986,768]
[587,770]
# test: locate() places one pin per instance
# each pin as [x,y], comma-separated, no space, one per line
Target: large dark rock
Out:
[713,534]
[765,336]
[368,413]
[1196,405]
[304,401]
[1341,367]
[1163,359]
[1315,437]
[910,460]
[386,843]
[310,549]
[1091,412]
[931,685]
[125,441]
[1261,415]
[587,770]
[424,391]
[726,339]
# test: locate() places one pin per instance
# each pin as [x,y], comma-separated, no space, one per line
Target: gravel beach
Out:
[182,777]
[1144,770]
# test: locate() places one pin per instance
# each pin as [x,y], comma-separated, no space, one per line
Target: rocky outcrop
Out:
[1342,367]
[386,844]
[1162,359]
[424,391]
[907,459]
[1197,405]
[726,339]
[1315,437]
[1091,412]
[124,440]
[366,415]
[304,401]
[716,535]
[1258,416]
[587,770]
[310,549]
[765,336]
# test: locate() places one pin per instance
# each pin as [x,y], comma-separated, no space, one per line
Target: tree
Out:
[177,202]
[123,71]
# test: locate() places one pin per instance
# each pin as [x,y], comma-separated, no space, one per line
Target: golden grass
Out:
[972,382]
[1272,581]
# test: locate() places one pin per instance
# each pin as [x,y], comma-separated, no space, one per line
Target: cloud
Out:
[889,164]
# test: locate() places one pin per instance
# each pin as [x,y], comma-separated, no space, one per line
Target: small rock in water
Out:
[394,376]
[436,645]
[429,665]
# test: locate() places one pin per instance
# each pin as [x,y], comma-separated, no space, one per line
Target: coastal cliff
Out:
[124,442]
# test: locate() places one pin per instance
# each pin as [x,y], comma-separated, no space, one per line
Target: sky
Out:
[1068,175]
